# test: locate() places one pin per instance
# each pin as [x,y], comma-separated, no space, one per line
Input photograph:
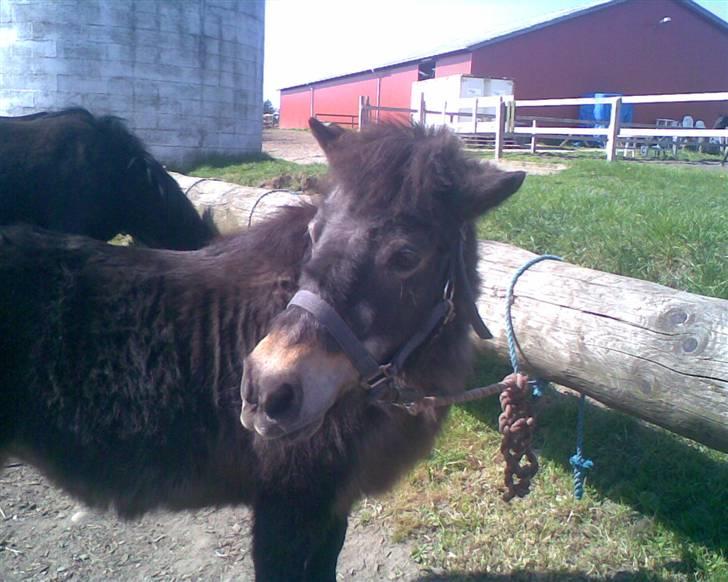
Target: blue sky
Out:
[312,39]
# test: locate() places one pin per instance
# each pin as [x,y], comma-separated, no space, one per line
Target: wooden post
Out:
[312,109]
[511,115]
[614,119]
[637,346]
[533,138]
[444,112]
[475,115]
[362,112]
[423,109]
[500,123]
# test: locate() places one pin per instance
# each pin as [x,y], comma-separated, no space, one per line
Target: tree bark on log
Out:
[233,205]
[646,349]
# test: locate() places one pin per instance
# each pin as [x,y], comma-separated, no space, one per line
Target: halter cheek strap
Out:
[379,377]
[326,315]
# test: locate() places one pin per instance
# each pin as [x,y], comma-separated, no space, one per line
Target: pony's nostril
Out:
[280,402]
[247,389]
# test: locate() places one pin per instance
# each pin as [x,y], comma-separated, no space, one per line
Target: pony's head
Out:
[391,260]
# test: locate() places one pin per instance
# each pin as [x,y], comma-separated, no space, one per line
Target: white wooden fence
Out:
[502,122]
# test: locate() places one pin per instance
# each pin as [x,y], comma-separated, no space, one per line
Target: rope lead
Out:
[579,463]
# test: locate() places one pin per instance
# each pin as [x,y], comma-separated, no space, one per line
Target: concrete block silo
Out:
[186,75]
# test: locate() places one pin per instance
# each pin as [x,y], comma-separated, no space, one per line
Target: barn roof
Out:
[500,36]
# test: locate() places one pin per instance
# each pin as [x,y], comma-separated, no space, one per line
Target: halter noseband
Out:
[380,378]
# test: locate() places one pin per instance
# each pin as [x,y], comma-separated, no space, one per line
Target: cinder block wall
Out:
[187,75]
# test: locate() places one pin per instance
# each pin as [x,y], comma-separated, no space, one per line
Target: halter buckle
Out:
[385,375]
[448,292]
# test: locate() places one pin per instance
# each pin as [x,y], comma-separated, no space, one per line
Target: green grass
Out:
[656,505]
[260,171]
[661,224]
[567,153]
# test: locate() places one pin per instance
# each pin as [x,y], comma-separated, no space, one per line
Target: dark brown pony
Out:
[121,373]
[72,172]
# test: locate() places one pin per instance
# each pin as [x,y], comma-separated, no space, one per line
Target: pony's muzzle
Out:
[270,402]
[286,388]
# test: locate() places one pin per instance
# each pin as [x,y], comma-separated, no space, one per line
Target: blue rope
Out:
[538,385]
[580,464]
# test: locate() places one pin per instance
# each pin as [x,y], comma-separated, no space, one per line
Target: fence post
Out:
[533,137]
[362,109]
[475,115]
[500,126]
[511,115]
[613,129]
[423,109]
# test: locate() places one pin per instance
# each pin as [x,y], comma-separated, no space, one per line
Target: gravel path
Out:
[46,535]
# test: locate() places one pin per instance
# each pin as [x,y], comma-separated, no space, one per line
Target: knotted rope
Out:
[516,423]
[579,463]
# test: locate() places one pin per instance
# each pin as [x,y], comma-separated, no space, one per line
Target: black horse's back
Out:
[73,172]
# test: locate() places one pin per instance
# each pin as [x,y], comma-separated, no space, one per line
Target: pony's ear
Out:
[325,135]
[492,188]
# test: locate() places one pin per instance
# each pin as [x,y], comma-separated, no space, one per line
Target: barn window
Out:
[426,70]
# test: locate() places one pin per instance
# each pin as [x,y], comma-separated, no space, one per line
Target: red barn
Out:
[629,47]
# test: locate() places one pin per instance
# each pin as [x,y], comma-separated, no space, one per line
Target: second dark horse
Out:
[72,172]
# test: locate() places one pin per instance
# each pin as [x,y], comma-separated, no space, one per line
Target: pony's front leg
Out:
[296,541]
[322,563]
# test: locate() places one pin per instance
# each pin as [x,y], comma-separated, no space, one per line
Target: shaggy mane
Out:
[403,167]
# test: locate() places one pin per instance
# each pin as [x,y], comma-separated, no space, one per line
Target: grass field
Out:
[656,505]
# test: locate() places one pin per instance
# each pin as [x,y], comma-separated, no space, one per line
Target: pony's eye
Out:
[404,260]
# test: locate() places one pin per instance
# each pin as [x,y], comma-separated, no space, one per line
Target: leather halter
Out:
[381,378]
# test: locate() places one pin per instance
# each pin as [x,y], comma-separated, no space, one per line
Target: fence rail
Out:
[503,122]
[325,117]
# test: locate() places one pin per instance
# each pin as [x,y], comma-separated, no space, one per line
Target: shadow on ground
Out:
[530,576]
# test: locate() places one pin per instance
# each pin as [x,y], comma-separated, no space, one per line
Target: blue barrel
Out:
[597,115]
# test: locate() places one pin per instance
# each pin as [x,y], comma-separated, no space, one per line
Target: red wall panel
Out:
[396,91]
[619,49]
[338,100]
[453,65]
[342,97]
[295,108]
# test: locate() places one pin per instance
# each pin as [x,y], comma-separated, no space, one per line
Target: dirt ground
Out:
[45,535]
[293,145]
